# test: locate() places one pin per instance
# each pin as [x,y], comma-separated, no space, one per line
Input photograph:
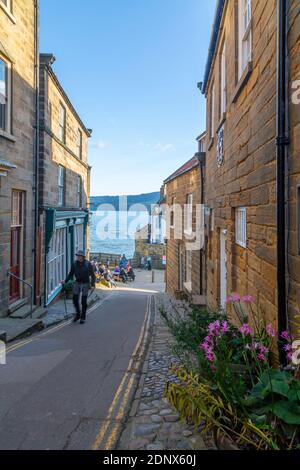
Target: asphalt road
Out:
[67,388]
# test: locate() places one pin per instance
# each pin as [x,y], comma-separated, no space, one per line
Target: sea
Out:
[113,232]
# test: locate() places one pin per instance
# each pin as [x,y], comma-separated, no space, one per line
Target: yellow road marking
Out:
[103,429]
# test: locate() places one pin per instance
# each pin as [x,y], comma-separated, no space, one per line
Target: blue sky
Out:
[131,69]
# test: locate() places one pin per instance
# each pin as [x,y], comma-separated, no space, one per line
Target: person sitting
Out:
[123,275]
[108,278]
[131,274]
[123,262]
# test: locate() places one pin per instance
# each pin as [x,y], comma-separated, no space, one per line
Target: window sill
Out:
[242,81]
[8,13]
[8,136]
[211,143]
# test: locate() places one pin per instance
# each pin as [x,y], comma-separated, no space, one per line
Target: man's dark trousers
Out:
[83,289]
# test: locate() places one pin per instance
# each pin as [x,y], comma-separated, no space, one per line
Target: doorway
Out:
[223,269]
[16,244]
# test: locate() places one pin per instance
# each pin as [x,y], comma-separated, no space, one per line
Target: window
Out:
[189,214]
[223,100]
[61,185]
[79,238]
[79,191]
[188,270]
[56,261]
[212,112]
[245,35]
[5,96]
[79,144]
[241,226]
[62,124]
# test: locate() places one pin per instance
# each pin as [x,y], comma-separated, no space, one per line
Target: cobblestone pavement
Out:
[153,424]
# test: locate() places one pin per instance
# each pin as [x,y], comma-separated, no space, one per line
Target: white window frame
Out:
[188,270]
[56,261]
[241,226]
[61,185]
[189,215]
[79,237]
[172,213]
[8,68]
[244,35]
[62,123]
[7,4]
[223,83]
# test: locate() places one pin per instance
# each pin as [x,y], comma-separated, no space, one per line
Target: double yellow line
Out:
[110,429]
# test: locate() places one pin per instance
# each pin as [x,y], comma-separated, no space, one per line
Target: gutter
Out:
[282,141]
[36,146]
[213,44]
[201,159]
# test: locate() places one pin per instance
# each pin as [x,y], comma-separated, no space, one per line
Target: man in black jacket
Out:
[83,271]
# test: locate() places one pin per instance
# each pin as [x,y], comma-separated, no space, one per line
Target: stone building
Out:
[18,152]
[64,181]
[245,169]
[184,191]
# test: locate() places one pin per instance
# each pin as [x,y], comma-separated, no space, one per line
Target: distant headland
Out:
[147,200]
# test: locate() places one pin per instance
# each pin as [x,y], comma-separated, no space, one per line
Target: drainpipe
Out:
[282,141]
[36,143]
[201,159]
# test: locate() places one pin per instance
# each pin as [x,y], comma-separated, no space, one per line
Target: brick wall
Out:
[17,45]
[178,189]
[248,175]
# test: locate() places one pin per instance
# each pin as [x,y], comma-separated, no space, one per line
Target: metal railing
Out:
[19,279]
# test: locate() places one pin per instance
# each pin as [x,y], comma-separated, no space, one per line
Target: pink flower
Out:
[261,357]
[225,327]
[288,347]
[236,298]
[248,299]
[263,350]
[285,335]
[210,356]
[271,331]
[229,299]
[246,329]
[289,356]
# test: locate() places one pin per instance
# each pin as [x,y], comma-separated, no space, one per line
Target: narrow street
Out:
[68,387]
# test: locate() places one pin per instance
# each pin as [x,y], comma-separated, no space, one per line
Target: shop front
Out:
[65,234]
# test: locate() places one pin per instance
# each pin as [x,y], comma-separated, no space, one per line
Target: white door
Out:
[223,269]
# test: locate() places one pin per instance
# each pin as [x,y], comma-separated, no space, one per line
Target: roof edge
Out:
[213,42]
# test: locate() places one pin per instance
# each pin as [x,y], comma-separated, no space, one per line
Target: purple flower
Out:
[288,347]
[236,298]
[285,335]
[263,350]
[210,356]
[248,299]
[289,356]
[271,331]
[225,327]
[229,299]
[246,329]
[261,357]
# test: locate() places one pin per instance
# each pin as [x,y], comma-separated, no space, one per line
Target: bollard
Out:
[153,276]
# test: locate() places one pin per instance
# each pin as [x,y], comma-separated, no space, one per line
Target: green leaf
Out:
[288,412]
[278,386]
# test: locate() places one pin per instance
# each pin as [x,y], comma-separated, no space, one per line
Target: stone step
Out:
[17,305]
[24,312]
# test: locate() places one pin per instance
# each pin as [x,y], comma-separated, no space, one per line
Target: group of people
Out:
[123,272]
